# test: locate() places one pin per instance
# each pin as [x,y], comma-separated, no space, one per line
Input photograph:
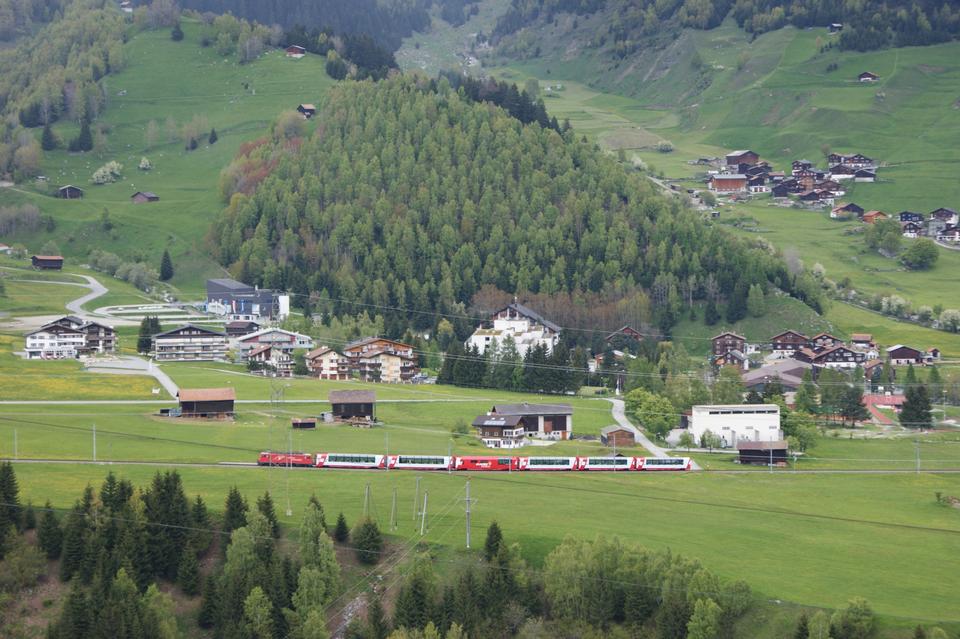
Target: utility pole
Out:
[14,443]
[94,442]
[366,502]
[416,501]
[393,511]
[469,502]
[916,445]
[289,468]
[423,515]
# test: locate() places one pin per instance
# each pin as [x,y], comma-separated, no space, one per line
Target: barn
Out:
[70,192]
[763,453]
[141,197]
[351,405]
[617,437]
[47,262]
[207,403]
[295,51]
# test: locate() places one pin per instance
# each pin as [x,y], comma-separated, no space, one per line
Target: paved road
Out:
[130,365]
[75,307]
[96,290]
[620,414]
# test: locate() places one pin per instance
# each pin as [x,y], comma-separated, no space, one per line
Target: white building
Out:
[527,328]
[737,422]
[277,338]
[55,341]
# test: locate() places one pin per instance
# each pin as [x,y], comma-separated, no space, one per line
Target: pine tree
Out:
[9,498]
[166,267]
[83,141]
[49,536]
[911,377]
[188,573]
[49,141]
[802,627]
[210,605]
[378,627]
[316,502]
[144,337]
[493,542]
[213,137]
[74,542]
[711,315]
[265,506]
[917,409]
[341,532]
[367,542]
[29,517]
[235,511]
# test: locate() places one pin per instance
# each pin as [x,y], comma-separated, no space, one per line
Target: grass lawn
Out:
[37,297]
[825,532]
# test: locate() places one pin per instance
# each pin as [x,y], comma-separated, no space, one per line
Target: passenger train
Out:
[472,462]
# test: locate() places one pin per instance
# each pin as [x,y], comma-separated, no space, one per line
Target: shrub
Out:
[145,164]
[108,173]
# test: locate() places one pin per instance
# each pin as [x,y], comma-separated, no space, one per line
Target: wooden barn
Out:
[617,437]
[763,453]
[353,405]
[70,192]
[207,403]
[141,197]
[47,262]
[295,51]
[307,111]
[303,422]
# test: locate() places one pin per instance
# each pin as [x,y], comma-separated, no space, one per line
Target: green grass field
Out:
[179,80]
[811,539]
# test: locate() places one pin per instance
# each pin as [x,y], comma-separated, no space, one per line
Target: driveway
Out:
[620,414]
[129,365]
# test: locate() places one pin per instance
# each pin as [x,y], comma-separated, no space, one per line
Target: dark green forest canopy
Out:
[868,24]
[415,199]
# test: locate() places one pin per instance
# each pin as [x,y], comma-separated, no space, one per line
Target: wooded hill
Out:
[873,24]
[412,198]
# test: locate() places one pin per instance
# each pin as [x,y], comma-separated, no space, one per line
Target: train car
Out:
[609,463]
[285,459]
[482,462]
[419,462]
[350,460]
[548,463]
[666,463]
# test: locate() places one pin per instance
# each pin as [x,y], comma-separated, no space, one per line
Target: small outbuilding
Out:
[303,422]
[207,403]
[763,453]
[868,76]
[141,197]
[295,51]
[617,436]
[353,405]
[70,192]
[307,111]
[47,262]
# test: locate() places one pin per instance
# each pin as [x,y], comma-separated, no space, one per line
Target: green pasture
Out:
[816,540]
[180,81]
[887,330]
[36,297]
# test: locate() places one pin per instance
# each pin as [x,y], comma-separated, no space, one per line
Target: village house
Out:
[207,403]
[800,165]
[732,358]
[70,192]
[872,217]
[501,431]
[855,161]
[307,111]
[842,172]
[868,76]
[817,197]
[788,342]
[910,216]
[47,262]
[862,340]
[933,355]
[824,340]
[353,405]
[728,183]
[277,338]
[190,343]
[326,363]
[271,360]
[540,421]
[728,341]
[734,423]
[837,357]
[295,51]
[527,328]
[788,372]
[626,331]
[736,158]
[945,215]
[386,366]
[911,229]
[832,186]
[98,338]
[865,175]
[763,453]
[54,341]
[900,355]
[239,328]
[141,197]
[846,211]
[617,436]
[950,234]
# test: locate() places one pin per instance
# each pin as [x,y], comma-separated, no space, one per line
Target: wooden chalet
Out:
[70,192]
[626,331]
[839,356]
[763,453]
[788,342]
[900,355]
[728,341]
[945,215]
[501,431]
[950,234]
[728,183]
[846,211]
[207,403]
[736,158]
[617,436]
[240,328]
[545,421]
[910,216]
[800,165]
[141,197]
[353,405]
[911,229]
[863,340]
[842,172]
[295,51]
[307,111]
[865,175]
[824,340]
[868,76]
[732,358]
[872,217]
[47,262]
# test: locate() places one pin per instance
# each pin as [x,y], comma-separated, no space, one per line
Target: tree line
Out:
[412,199]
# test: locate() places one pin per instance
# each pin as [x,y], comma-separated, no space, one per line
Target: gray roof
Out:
[352,397]
[526,311]
[498,420]
[606,430]
[190,325]
[533,409]
[229,283]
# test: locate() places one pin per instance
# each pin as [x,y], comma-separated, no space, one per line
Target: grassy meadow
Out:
[175,82]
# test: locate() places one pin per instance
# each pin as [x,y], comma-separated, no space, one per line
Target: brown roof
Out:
[48,257]
[731,333]
[256,350]
[533,409]
[206,394]
[352,397]
[317,352]
[509,421]
[861,337]
[777,445]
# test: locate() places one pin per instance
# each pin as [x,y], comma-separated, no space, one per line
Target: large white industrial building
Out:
[737,422]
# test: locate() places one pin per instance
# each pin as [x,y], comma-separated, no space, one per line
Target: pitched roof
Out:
[739,152]
[533,409]
[190,325]
[861,337]
[725,333]
[789,332]
[352,397]
[729,176]
[260,348]
[497,420]
[47,257]
[317,352]
[606,430]
[227,282]
[206,394]
[528,312]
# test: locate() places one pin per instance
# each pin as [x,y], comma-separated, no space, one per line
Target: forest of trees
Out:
[20,16]
[870,24]
[411,200]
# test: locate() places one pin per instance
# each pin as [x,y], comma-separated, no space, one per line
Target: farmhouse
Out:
[736,158]
[239,328]
[208,403]
[501,431]
[141,197]
[945,215]
[787,342]
[865,175]
[47,262]
[838,357]
[842,172]
[728,341]
[353,405]
[846,211]
[899,355]
[70,192]
[824,340]
[911,229]
[617,437]
[728,183]
[868,76]
[295,51]
[871,217]
[949,234]
[190,343]
[734,423]
[307,111]
[238,301]
[863,340]
[543,421]
[326,363]
[763,453]
[855,161]
[527,328]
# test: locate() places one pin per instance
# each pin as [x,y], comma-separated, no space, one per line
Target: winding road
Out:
[620,414]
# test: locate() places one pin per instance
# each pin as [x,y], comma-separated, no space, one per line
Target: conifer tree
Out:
[188,573]
[9,500]
[176,34]
[210,605]
[341,532]
[74,542]
[367,541]
[802,627]
[49,536]
[29,517]
[316,502]
[711,315]
[212,139]
[83,141]
[378,626]
[265,506]
[144,337]
[493,542]
[48,142]
[235,511]
[166,267]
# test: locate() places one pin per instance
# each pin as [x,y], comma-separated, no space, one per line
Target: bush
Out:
[665,146]
[108,173]
[145,164]
[177,33]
